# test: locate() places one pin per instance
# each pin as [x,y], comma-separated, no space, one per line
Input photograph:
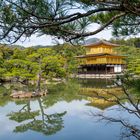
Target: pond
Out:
[64,114]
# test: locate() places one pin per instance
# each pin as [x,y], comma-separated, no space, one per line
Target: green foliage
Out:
[69,52]
[134,42]
[22,116]
[123,26]
[67,19]
[132,58]
[130,83]
[19,68]
[4,100]
[25,64]
[47,127]
[37,120]
[68,92]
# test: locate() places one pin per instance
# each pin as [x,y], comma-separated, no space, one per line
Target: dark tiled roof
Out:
[99,42]
[91,41]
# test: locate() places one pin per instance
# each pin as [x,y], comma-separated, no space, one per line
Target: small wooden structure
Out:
[101,58]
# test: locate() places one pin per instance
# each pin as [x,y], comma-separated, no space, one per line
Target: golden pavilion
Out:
[101,58]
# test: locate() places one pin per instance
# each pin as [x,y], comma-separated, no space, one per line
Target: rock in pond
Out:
[23,94]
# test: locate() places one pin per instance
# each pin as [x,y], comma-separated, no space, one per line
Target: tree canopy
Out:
[67,19]
[132,58]
[37,64]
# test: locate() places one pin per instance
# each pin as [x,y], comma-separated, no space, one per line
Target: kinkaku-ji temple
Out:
[101,58]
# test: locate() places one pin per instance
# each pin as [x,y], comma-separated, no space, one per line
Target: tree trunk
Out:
[38,88]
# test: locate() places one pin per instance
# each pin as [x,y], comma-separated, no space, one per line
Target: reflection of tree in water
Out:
[129,103]
[63,92]
[39,120]
[129,129]
[7,88]
[57,92]
[4,98]
[97,83]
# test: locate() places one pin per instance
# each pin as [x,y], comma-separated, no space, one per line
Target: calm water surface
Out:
[62,115]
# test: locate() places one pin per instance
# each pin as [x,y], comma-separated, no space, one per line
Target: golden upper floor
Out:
[103,59]
[101,47]
[101,52]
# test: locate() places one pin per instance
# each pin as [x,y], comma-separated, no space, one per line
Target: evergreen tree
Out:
[67,19]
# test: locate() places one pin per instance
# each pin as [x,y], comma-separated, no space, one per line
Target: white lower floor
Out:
[101,69]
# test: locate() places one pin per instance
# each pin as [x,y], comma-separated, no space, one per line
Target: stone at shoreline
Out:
[23,94]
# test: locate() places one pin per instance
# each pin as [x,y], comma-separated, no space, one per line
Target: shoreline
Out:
[98,76]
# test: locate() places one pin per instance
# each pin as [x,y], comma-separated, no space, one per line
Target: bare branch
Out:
[98,30]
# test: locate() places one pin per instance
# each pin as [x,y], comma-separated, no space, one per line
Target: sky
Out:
[48,40]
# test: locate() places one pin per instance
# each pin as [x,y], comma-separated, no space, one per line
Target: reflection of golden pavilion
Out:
[101,97]
[100,58]
[100,103]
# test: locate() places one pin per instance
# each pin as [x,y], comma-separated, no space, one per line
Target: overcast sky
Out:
[47,40]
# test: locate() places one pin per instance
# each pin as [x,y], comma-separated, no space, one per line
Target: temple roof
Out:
[96,42]
[91,41]
[101,106]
